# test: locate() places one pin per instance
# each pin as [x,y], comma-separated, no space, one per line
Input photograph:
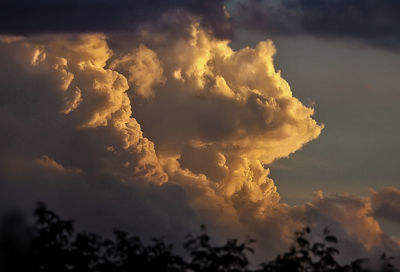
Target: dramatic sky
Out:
[253,117]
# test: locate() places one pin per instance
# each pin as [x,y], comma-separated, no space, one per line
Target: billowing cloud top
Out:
[187,110]
[209,110]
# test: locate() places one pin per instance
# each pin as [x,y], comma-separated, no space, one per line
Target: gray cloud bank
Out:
[375,22]
[110,16]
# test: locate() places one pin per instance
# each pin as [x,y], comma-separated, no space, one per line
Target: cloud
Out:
[374,22]
[387,204]
[351,219]
[60,94]
[351,212]
[158,134]
[143,70]
[74,16]
[222,113]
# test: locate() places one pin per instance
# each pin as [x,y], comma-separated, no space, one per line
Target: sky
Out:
[255,118]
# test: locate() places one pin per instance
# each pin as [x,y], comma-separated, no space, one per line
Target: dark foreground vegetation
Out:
[51,245]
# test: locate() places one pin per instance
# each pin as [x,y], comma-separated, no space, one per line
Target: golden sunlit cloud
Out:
[218,112]
[184,112]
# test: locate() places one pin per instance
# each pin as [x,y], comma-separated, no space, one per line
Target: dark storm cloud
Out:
[375,22]
[46,16]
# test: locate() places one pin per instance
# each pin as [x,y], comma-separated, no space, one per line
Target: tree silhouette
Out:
[51,245]
[205,257]
[304,256]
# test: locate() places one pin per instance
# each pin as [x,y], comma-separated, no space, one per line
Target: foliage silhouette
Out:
[205,257]
[51,245]
[315,257]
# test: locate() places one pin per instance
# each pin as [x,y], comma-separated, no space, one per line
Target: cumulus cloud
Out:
[374,22]
[59,93]
[353,213]
[352,219]
[143,70]
[222,113]
[159,134]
